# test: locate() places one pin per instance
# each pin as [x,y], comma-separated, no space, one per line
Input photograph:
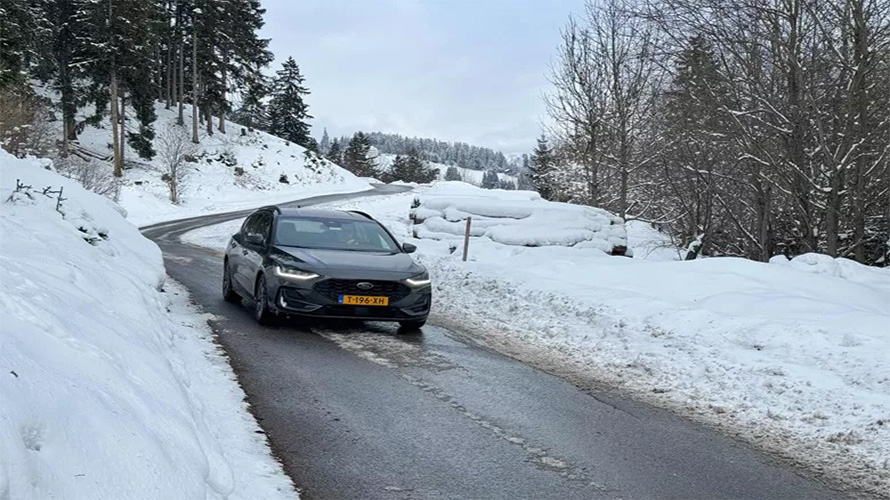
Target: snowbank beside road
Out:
[793,356]
[110,388]
[516,218]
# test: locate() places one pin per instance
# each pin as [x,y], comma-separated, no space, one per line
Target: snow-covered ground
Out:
[110,381]
[215,182]
[792,356]
[518,218]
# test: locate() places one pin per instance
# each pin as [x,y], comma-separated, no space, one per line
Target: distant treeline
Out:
[448,153]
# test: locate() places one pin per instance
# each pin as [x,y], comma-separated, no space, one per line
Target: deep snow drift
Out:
[793,356]
[110,386]
[518,218]
[232,171]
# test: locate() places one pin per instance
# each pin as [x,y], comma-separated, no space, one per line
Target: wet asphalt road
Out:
[358,411]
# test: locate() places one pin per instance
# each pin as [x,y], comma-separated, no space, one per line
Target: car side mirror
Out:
[254,238]
[409,248]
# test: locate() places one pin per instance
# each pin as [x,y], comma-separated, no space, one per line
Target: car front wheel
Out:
[261,311]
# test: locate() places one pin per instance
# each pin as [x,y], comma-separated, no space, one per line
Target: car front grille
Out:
[334,288]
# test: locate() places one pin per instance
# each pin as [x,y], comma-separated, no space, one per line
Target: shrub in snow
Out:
[91,174]
[283,179]
[519,218]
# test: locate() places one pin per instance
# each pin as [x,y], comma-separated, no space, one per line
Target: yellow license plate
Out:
[362,300]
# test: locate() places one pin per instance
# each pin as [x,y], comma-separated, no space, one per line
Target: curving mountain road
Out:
[355,411]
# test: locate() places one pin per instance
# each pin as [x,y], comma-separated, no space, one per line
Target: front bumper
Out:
[319,299]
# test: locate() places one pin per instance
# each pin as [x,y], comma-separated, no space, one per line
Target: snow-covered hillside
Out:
[474,177]
[110,383]
[232,171]
[793,356]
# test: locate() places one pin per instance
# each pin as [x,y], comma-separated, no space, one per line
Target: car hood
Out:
[344,264]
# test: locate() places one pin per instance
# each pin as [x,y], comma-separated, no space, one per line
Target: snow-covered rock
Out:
[110,385]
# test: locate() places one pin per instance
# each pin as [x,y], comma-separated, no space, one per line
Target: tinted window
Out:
[334,234]
[259,223]
[264,225]
[250,225]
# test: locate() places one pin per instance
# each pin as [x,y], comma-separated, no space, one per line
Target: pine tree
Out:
[411,168]
[66,41]
[541,166]
[355,158]
[243,53]
[396,171]
[253,113]
[334,154]
[490,180]
[524,179]
[690,163]
[287,111]
[325,145]
[18,22]
[453,174]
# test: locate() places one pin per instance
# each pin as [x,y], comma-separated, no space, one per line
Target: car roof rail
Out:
[273,208]
[363,214]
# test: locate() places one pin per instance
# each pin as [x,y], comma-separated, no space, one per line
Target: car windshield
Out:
[334,234]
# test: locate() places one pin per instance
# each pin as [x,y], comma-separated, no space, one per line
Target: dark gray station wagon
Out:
[325,263]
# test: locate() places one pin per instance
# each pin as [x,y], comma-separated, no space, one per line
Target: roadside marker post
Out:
[467,238]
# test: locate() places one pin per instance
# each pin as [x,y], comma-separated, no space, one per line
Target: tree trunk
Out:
[623,166]
[863,61]
[115,130]
[68,107]
[180,119]
[171,75]
[832,214]
[123,115]
[763,221]
[222,111]
[208,114]
[195,109]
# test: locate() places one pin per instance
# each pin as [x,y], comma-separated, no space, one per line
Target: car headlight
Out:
[290,272]
[421,279]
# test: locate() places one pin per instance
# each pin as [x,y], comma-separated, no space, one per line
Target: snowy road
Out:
[356,411]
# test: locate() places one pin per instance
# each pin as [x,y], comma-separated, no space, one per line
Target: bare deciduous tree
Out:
[778,143]
[174,148]
[604,83]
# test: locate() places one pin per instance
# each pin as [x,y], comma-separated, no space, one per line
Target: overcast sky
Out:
[455,70]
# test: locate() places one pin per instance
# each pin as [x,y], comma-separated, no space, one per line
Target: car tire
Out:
[229,293]
[261,312]
[411,326]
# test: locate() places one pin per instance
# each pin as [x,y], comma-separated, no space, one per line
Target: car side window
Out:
[245,228]
[264,226]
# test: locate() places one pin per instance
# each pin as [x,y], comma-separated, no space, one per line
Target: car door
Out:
[253,254]
[237,252]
